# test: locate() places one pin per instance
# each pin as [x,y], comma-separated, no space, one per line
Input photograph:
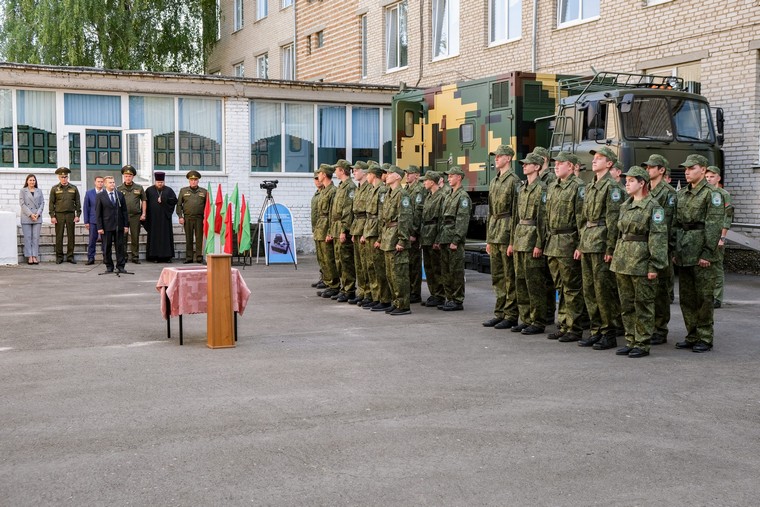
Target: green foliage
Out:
[152,35]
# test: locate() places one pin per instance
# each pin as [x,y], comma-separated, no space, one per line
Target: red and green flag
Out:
[228,232]
[218,211]
[244,229]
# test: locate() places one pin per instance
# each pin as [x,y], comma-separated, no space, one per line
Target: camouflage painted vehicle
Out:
[635,115]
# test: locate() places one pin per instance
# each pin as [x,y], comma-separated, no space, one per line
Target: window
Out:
[396,37]
[239,70]
[332,134]
[445,28]
[288,71]
[365,133]
[262,9]
[656,2]
[200,134]
[387,136]
[36,141]
[95,110]
[6,128]
[504,20]
[299,138]
[364,45]
[262,66]
[266,136]
[692,119]
[690,73]
[286,3]
[237,19]
[156,114]
[218,15]
[320,36]
[574,11]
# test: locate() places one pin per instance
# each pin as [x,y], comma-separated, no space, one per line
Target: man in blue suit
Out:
[90,222]
[112,223]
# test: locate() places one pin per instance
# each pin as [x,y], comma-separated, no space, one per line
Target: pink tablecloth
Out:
[187,290]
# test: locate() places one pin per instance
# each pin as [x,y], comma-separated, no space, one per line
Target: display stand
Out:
[220,333]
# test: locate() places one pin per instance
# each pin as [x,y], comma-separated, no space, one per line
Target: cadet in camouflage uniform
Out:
[502,196]
[432,213]
[134,194]
[190,208]
[65,208]
[357,229]
[457,209]
[640,254]
[665,195]
[396,221]
[417,193]
[564,222]
[314,215]
[330,274]
[381,292]
[699,219]
[341,217]
[549,178]
[527,245]
[601,207]
[713,178]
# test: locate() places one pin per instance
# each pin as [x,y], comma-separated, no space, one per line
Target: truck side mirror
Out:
[720,121]
[627,103]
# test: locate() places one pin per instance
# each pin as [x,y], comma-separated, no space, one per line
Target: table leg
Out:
[180,329]
[235,326]
[168,316]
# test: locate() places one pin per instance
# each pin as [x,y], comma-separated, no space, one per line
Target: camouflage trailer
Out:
[635,115]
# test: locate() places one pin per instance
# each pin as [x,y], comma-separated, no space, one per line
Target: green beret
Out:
[656,160]
[605,152]
[533,158]
[503,149]
[62,170]
[693,160]
[637,172]
[128,169]
[193,175]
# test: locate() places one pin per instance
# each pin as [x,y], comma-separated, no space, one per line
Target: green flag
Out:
[235,209]
[210,223]
[245,229]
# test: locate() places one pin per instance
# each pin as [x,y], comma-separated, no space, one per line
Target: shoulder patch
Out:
[658,215]
[615,194]
[405,202]
[418,198]
[717,199]
[351,194]
[672,200]
[464,202]
[582,192]
[382,197]
[543,197]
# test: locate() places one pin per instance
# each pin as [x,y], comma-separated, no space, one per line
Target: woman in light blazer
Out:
[32,202]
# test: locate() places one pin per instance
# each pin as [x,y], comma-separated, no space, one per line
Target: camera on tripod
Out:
[268,184]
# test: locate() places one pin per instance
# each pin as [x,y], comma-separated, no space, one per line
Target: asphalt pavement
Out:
[322,403]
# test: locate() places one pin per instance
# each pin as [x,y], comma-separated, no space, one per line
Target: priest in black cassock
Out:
[158,220]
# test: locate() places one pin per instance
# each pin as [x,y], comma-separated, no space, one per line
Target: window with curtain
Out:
[156,114]
[573,11]
[299,138]
[262,9]
[365,133]
[331,127]
[238,20]
[288,71]
[200,134]
[35,118]
[95,110]
[6,128]
[387,136]
[505,20]
[445,28]
[396,42]
[262,66]
[266,136]
[364,45]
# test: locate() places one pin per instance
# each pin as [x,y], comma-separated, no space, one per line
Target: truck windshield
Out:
[666,119]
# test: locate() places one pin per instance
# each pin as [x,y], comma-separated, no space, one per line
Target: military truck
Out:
[633,114]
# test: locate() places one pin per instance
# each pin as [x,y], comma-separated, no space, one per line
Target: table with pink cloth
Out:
[184,291]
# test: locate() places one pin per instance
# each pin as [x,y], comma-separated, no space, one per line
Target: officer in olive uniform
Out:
[457,209]
[330,274]
[601,207]
[502,196]
[341,217]
[396,220]
[359,211]
[319,284]
[549,178]
[699,219]
[564,222]
[432,214]
[190,208]
[641,253]
[65,209]
[665,195]
[713,178]
[527,240]
[134,194]
[417,193]
[381,292]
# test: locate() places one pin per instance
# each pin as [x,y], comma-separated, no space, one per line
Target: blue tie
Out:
[113,201]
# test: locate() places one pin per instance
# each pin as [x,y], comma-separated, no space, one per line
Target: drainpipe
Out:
[295,38]
[422,42]
[534,50]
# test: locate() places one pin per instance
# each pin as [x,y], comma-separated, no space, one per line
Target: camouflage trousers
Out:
[329,271]
[566,272]
[360,264]
[397,273]
[378,282]
[600,294]
[530,286]
[344,262]
[432,259]
[415,270]
[662,301]
[503,282]
[319,257]
[695,292]
[551,294]
[637,295]
[452,270]
[719,274]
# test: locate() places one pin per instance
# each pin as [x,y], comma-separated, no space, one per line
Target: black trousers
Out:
[112,238]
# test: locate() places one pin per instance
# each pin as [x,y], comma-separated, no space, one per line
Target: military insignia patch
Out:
[672,200]
[717,200]
[543,197]
[418,199]
[382,197]
[582,192]
[658,215]
[615,195]
[351,194]
[464,203]
[405,202]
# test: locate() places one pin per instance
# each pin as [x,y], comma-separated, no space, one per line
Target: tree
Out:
[152,35]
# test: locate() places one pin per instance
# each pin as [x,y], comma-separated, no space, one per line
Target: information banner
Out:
[278,235]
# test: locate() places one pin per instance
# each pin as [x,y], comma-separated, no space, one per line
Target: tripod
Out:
[282,246]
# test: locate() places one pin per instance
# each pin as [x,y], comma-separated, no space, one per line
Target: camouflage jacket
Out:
[698,221]
[375,197]
[665,195]
[529,219]
[729,208]
[548,177]
[502,196]
[642,243]
[564,216]
[601,208]
[324,205]
[64,200]
[432,213]
[417,193]
[360,208]
[341,212]
[314,209]
[396,219]
[457,209]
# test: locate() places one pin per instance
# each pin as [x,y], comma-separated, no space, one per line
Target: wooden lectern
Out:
[219,328]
